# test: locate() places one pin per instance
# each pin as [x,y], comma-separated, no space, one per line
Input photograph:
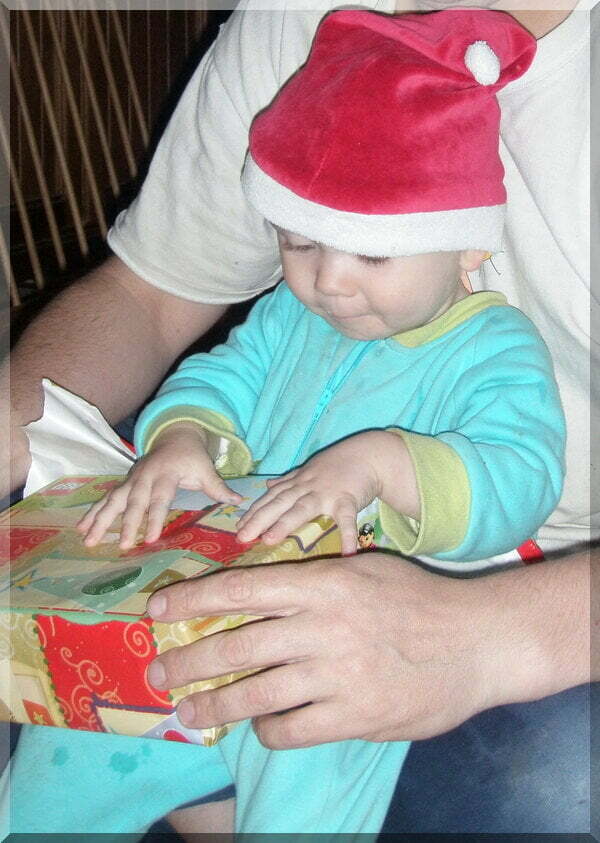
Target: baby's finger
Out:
[275,481]
[158,509]
[86,522]
[252,511]
[348,533]
[137,506]
[216,488]
[107,510]
[344,514]
[265,512]
[304,508]
[270,505]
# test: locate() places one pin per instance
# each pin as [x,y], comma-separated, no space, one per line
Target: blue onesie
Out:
[473,395]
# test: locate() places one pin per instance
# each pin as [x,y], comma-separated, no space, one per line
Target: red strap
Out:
[530,552]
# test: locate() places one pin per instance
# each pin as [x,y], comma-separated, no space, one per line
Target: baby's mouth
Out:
[343,317]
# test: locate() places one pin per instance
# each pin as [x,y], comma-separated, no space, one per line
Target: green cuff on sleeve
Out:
[231,454]
[445,493]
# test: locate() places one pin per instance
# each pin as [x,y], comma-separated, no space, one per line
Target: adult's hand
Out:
[377,647]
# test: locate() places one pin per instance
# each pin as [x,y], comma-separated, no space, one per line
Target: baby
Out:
[370,373]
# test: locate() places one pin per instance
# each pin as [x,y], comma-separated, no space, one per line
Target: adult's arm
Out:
[382,649]
[110,338]
[189,233]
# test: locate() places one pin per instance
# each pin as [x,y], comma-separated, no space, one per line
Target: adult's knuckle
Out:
[187,596]
[211,708]
[261,694]
[237,648]
[238,585]
[174,662]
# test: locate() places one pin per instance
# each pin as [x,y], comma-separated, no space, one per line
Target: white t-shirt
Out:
[190,231]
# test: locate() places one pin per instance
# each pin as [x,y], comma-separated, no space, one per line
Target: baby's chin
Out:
[361,330]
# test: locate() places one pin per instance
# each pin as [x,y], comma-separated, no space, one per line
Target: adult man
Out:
[512,637]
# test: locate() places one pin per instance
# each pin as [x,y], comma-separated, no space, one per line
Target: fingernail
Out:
[185,712]
[157,605]
[156,674]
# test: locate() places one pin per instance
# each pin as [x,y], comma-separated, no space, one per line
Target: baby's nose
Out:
[333,278]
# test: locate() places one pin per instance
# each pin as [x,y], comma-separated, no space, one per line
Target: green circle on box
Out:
[112,581]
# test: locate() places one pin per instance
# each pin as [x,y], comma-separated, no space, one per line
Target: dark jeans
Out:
[518,769]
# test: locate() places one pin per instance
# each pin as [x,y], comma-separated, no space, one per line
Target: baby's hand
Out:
[179,457]
[339,482]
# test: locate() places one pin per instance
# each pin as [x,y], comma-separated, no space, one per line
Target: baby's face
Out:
[371,298]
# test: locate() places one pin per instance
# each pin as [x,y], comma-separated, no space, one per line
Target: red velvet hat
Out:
[386,141]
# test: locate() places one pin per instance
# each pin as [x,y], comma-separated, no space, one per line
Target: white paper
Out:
[72,438]
[250,488]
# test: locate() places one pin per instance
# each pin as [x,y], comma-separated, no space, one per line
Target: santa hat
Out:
[386,141]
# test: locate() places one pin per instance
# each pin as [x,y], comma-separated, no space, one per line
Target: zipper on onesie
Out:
[332,387]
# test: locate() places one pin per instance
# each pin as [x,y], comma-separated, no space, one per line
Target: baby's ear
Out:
[471,259]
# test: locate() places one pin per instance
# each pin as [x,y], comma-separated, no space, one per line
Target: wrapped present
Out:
[75,639]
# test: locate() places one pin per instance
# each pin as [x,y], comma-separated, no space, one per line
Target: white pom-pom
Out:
[483,62]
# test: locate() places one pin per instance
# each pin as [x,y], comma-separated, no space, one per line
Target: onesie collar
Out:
[458,313]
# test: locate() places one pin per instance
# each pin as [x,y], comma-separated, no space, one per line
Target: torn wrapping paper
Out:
[72,437]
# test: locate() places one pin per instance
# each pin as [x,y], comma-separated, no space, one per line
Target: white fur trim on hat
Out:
[483,62]
[374,235]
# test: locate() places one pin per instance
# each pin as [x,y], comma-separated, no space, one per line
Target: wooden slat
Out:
[131,81]
[56,137]
[87,86]
[114,93]
[26,121]
[15,298]
[21,210]
[77,125]
[90,89]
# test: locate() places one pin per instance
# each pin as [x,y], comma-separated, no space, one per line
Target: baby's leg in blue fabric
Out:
[334,788]
[66,781]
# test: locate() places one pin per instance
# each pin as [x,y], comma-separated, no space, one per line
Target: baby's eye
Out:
[290,247]
[372,261]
